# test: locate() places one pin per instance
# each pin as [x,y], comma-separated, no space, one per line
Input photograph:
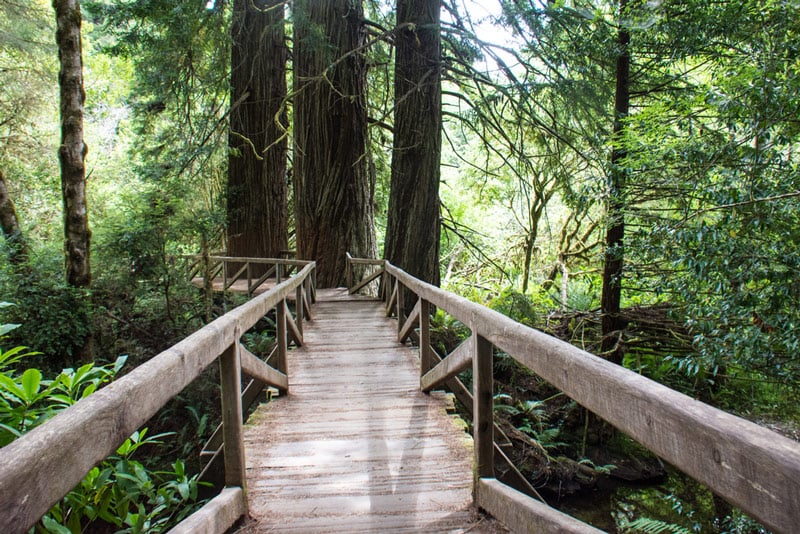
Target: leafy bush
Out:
[121,491]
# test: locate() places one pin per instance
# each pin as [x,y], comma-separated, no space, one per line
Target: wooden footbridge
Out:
[359,438]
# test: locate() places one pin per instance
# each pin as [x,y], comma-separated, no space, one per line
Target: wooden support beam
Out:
[390,305]
[280,335]
[255,367]
[231,389]
[425,356]
[263,278]
[520,513]
[293,331]
[465,398]
[298,309]
[235,277]
[483,406]
[512,475]
[216,516]
[307,305]
[357,287]
[409,324]
[459,360]
[400,307]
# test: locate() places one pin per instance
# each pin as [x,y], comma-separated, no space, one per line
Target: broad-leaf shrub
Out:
[121,492]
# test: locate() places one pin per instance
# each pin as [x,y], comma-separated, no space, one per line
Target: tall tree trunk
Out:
[413,227]
[18,249]
[333,188]
[612,324]
[73,149]
[257,184]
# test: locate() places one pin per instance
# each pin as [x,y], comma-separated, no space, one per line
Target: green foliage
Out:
[27,400]
[55,318]
[125,494]
[654,526]
[532,418]
[121,492]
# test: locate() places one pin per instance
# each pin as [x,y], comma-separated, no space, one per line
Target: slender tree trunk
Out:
[18,249]
[73,149]
[413,226]
[333,189]
[612,324]
[257,183]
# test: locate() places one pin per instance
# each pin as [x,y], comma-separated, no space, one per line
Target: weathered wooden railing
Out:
[255,271]
[750,466]
[42,466]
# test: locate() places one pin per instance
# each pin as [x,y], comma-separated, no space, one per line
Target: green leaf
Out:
[12,387]
[53,526]
[31,382]
[6,328]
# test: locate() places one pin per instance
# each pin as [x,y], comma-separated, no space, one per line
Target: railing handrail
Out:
[244,259]
[34,473]
[752,467]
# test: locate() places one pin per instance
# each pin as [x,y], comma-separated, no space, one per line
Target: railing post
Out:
[231,391]
[278,273]
[425,357]
[483,405]
[249,280]
[280,319]
[401,312]
[298,307]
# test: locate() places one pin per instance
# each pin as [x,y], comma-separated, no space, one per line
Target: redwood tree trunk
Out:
[412,233]
[611,299]
[73,149]
[257,184]
[333,189]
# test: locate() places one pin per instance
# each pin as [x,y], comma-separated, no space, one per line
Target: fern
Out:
[654,526]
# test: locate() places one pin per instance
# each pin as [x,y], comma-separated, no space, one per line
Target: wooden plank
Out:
[750,466]
[366,261]
[459,360]
[520,513]
[230,378]
[483,405]
[349,450]
[33,473]
[274,261]
[255,367]
[409,325]
[216,516]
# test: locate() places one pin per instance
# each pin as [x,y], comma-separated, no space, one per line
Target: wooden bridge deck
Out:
[356,446]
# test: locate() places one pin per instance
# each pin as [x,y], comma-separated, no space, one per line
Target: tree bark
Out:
[257,184]
[9,222]
[333,188]
[72,151]
[612,323]
[413,226]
